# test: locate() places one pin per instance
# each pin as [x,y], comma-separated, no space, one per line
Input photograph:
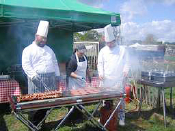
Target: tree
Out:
[150,39]
[91,35]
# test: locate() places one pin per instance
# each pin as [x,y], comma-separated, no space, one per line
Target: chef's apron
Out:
[47,80]
[75,83]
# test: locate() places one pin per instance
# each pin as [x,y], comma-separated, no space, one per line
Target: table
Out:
[8,88]
[161,86]
[19,109]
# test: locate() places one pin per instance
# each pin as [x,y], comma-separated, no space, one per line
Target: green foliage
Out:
[91,35]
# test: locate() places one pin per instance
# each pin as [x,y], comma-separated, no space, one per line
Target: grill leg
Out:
[26,122]
[164,106]
[158,98]
[70,111]
[95,110]
[89,115]
[141,99]
[47,113]
[171,101]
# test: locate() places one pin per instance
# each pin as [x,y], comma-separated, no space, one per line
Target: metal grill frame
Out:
[19,109]
[161,86]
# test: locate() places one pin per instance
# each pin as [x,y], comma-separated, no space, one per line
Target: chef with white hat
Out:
[40,64]
[113,66]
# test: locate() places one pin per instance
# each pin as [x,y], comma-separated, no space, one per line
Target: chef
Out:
[77,69]
[40,64]
[113,67]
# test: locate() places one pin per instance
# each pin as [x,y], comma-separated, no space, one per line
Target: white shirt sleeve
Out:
[57,70]
[26,63]
[100,65]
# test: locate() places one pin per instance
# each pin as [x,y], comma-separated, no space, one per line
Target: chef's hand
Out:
[101,77]
[36,79]
[81,78]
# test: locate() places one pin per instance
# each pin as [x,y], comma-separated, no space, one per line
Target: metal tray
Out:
[146,75]
[4,77]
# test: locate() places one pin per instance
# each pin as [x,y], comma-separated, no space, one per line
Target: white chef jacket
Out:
[37,59]
[111,65]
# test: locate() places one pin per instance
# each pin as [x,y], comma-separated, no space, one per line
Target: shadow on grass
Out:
[72,125]
[148,113]
[85,125]
[4,109]
[150,116]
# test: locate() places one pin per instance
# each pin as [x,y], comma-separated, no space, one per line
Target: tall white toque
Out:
[109,33]
[43,28]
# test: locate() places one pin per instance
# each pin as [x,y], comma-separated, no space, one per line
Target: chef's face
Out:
[81,53]
[111,44]
[41,41]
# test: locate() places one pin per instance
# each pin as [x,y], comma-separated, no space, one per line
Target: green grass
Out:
[146,121]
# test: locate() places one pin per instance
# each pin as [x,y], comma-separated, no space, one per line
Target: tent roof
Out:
[66,14]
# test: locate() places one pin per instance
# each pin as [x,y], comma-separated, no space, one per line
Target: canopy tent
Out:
[65,14]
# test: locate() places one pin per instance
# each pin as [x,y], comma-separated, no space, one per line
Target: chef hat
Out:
[109,33]
[43,28]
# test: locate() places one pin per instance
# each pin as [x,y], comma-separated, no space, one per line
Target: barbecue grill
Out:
[167,78]
[76,99]
[161,80]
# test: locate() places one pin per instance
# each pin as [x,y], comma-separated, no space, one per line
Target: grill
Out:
[76,97]
[158,78]
[161,80]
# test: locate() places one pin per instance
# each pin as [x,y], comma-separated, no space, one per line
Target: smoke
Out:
[134,63]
